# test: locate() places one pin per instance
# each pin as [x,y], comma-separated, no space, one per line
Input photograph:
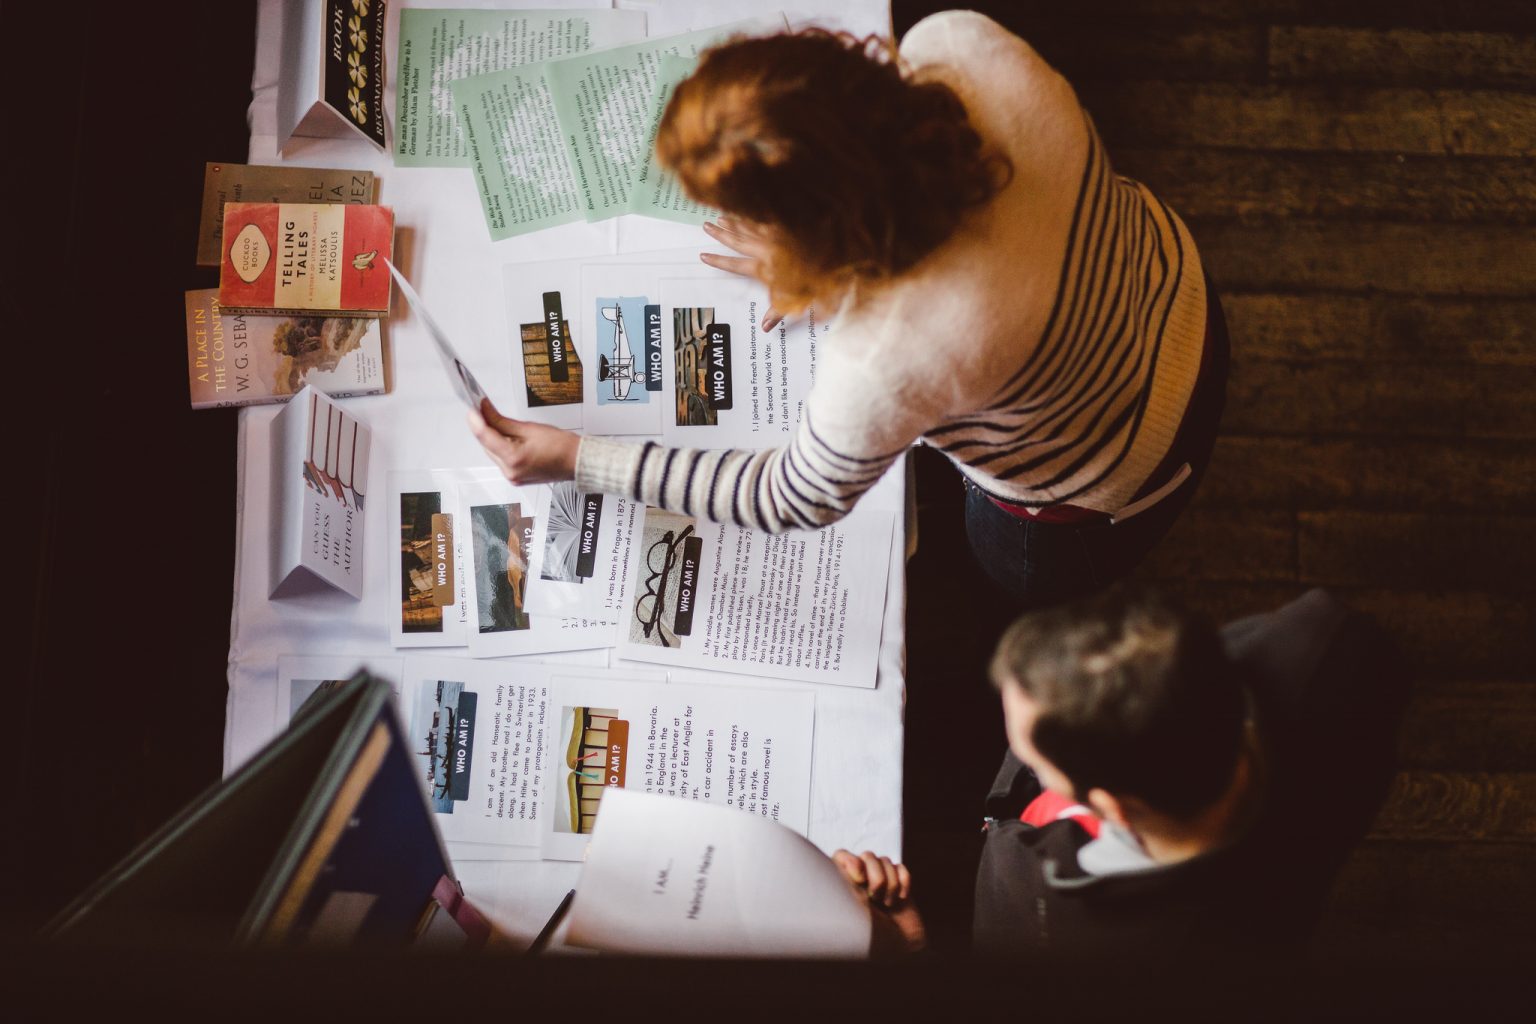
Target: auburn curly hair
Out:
[854,167]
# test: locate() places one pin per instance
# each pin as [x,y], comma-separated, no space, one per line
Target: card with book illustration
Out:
[319,483]
[331,80]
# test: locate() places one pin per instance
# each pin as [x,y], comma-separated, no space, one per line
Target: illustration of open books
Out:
[621,368]
[589,753]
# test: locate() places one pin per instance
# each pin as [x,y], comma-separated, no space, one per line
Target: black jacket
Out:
[1327,690]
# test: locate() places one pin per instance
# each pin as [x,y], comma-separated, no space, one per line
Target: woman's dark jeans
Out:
[1040,564]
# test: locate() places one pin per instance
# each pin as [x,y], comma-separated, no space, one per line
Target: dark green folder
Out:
[324,837]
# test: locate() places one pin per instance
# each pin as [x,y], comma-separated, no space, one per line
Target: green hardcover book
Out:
[242,183]
[323,838]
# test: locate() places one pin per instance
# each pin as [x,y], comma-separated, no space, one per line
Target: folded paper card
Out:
[319,479]
[332,80]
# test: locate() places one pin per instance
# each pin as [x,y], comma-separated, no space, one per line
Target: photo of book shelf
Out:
[596,752]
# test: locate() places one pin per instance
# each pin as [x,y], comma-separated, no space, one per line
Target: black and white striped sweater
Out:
[1049,347]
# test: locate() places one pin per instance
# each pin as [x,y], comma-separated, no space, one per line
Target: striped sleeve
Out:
[807,484]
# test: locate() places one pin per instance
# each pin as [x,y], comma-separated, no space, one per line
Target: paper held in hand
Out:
[675,877]
[464,383]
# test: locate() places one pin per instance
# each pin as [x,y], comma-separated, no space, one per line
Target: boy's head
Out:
[1123,698]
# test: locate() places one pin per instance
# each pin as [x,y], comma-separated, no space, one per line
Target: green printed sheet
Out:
[516,152]
[653,191]
[603,101]
[439,47]
[562,140]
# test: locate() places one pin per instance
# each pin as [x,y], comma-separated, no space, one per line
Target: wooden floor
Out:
[1361,181]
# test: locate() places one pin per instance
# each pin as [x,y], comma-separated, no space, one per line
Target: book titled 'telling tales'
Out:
[304,258]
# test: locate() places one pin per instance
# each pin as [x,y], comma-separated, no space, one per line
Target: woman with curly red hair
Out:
[997,292]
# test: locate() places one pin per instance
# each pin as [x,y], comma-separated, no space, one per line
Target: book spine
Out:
[354,314]
[234,403]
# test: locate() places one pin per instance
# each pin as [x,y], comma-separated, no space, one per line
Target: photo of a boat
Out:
[435,721]
[437,743]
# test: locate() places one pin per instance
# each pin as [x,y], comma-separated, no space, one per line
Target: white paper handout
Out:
[477,733]
[675,877]
[499,518]
[319,481]
[429,542]
[801,605]
[747,749]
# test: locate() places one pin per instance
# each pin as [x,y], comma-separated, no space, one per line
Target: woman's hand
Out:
[526,453]
[753,247]
[887,887]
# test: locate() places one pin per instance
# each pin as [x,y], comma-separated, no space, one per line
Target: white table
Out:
[443,244]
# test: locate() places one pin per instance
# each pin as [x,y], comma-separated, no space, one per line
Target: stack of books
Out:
[303,284]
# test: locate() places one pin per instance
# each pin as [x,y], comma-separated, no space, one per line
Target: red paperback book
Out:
[298,258]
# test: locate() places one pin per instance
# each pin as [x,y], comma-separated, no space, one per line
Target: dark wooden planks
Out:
[1173,50]
[1373,474]
[1401,56]
[1349,548]
[1398,399]
[1416,892]
[1470,725]
[1345,119]
[1169,52]
[1439,15]
[1257,545]
[1320,327]
[1259,185]
[1492,260]
[1463,634]
[1460,807]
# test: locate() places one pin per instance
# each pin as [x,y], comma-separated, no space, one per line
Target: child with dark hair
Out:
[1172,789]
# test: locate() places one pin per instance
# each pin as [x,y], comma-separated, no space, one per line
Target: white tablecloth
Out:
[443,245]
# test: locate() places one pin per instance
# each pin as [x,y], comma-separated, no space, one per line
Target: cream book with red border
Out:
[306,258]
